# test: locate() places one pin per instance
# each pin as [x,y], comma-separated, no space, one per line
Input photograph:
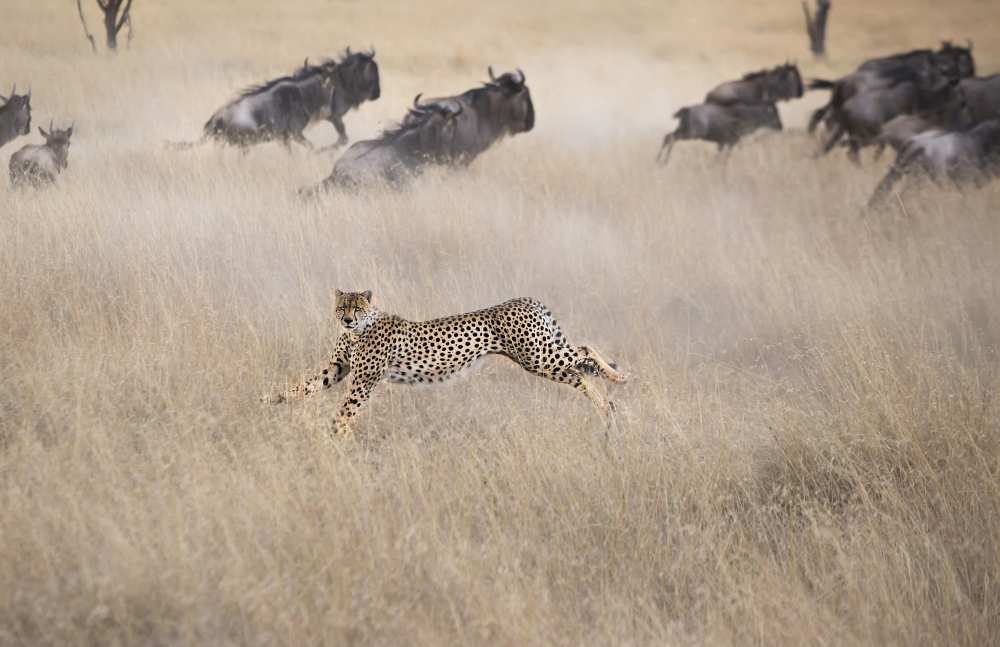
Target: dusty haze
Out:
[808,452]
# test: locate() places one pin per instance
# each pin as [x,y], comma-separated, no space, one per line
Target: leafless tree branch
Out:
[816,26]
[86,32]
[124,16]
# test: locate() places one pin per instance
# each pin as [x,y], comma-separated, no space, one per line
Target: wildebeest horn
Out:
[416,101]
[371,51]
[520,73]
[489,69]
[306,62]
[348,50]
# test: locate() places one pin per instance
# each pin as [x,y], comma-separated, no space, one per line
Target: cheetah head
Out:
[353,310]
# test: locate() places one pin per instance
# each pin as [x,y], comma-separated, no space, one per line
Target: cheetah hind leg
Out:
[591,362]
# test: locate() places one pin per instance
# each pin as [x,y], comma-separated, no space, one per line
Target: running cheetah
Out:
[376,345]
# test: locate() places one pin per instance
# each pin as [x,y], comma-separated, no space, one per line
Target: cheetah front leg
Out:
[603,405]
[336,370]
[357,396]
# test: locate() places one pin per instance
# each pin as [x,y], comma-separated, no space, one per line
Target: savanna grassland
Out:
[808,451]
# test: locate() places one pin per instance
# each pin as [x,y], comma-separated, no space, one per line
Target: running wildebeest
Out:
[962,157]
[898,131]
[15,115]
[424,137]
[922,66]
[281,109]
[777,84]
[39,165]
[500,107]
[724,125]
[862,116]
[978,99]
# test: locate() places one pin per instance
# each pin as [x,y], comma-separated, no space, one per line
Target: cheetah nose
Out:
[347,320]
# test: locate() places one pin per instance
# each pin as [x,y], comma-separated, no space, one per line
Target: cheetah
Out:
[377,346]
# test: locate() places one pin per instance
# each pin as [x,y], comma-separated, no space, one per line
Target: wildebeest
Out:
[923,66]
[15,115]
[777,84]
[898,131]
[424,137]
[500,107]
[724,125]
[977,99]
[960,156]
[281,109]
[862,116]
[38,165]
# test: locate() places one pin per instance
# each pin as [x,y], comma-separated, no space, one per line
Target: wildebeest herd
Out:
[927,105]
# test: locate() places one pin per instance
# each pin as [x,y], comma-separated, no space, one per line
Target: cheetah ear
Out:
[338,293]
[368,295]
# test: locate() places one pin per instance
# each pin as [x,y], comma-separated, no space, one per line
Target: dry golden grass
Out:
[809,452]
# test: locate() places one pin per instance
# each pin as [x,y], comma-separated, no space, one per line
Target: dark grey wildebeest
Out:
[777,84]
[862,116]
[15,115]
[959,156]
[921,66]
[281,109]
[39,165]
[724,125]
[500,107]
[898,131]
[977,99]
[425,136]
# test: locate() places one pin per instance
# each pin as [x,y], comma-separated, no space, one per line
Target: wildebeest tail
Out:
[183,146]
[821,84]
[211,128]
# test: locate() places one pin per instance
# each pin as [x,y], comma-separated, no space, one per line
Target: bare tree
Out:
[117,14]
[816,26]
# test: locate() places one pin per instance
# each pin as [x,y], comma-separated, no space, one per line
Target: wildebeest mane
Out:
[414,119]
[759,74]
[750,76]
[301,74]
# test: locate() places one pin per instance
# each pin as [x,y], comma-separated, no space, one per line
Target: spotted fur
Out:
[377,346]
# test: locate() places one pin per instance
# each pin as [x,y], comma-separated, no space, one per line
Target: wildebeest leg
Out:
[300,138]
[338,123]
[854,151]
[898,169]
[817,116]
[668,146]
[838,133]
[724,150]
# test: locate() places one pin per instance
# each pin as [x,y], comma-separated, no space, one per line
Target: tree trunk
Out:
[110,27]
[816,26]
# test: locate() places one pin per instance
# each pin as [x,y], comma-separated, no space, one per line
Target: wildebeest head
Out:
[510,101]
[790,81]
[955,62]
[357,76]
[17,109]
[58,142]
